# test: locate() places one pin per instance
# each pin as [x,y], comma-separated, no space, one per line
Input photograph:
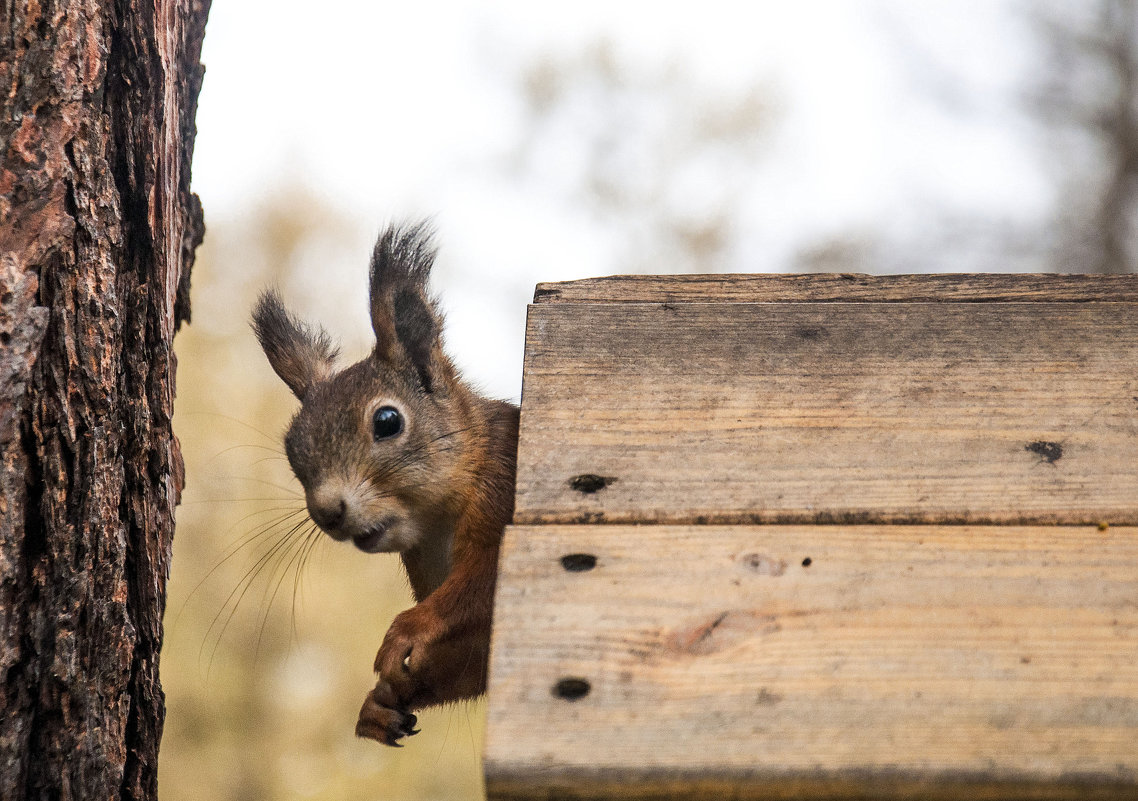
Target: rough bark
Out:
[98,231]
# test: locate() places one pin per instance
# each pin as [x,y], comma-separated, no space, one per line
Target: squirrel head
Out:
[378,446]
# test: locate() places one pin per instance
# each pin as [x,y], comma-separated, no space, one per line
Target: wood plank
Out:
[841,287]
[900,662]
[858,412]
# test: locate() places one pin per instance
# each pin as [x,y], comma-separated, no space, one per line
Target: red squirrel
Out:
[398,454]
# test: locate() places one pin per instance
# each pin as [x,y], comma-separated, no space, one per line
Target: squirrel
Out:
[397,453]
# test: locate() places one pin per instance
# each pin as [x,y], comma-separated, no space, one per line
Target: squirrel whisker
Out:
[297,547]
[246,582]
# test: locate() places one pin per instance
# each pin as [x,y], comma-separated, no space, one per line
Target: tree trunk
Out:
[97,235]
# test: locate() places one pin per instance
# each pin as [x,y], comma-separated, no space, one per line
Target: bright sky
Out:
[396,110]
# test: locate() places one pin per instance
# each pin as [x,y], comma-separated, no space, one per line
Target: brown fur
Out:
[440,492]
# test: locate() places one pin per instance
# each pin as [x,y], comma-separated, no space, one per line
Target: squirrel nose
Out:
[328,513]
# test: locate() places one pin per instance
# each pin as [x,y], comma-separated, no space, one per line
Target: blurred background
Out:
[551,142]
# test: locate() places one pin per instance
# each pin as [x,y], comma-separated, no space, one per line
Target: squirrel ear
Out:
[404,316]
[302,356]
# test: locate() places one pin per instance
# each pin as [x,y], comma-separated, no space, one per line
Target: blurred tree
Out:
[98,238]
[1086,98]
[663,162]
[670,169]
[1076,94]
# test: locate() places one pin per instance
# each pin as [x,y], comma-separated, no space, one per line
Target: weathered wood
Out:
[852,412]
[925,661]
[841,287]
[931,661]
[97,235]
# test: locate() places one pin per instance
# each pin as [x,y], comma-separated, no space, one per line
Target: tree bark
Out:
[97,236]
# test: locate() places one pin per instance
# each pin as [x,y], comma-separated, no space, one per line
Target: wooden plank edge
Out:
[552,782]
[842,287]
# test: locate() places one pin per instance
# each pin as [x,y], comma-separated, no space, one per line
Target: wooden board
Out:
[841,287]
[939,662]
[946,412]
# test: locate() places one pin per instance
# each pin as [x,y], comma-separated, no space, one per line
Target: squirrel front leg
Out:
[436,651]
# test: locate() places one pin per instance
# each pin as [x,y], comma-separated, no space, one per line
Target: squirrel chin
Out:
[388,535]
[371,541]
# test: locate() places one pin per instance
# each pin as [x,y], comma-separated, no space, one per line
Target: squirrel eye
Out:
[386,422]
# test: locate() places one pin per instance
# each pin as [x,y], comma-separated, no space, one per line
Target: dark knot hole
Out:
[571,689]
[578,562]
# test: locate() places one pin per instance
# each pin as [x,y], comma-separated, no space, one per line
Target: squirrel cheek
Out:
[404,536]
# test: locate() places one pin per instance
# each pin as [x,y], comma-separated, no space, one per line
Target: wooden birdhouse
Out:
[822,536]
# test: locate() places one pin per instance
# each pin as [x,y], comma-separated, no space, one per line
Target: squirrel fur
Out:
[398,454]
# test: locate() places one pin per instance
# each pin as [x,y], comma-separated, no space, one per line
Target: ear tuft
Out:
[301,355]
[403,256]
[404,316]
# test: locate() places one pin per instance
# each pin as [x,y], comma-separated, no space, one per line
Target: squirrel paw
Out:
[425,660]
[383,719]
[403,661]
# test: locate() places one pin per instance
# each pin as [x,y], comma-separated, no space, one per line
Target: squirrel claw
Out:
[384,721]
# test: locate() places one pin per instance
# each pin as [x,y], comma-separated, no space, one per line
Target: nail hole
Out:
[588,483]
[578,562]
[1050,452]
[807,562]
[571,689]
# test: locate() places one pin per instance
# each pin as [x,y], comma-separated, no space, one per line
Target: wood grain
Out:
[924,661]
[841,287]
[840,412]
